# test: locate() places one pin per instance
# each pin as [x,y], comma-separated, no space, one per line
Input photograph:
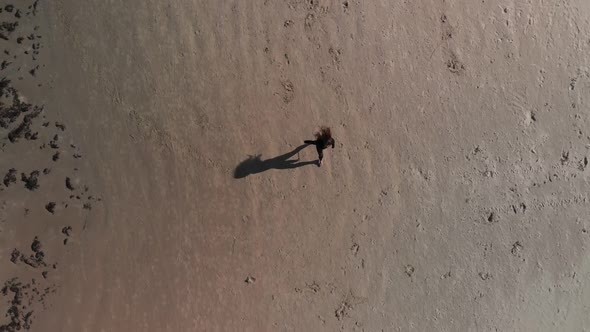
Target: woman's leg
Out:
[318,146]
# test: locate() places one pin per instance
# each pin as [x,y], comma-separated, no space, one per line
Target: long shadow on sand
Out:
[254,164]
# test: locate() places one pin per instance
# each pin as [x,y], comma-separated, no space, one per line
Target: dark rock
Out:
[69,184]
[31,181]
[10,177]
[50,207]
[36,245]
[14,256]
[67,230]
[18,317]
[53,143]
[24,129]
[8,26]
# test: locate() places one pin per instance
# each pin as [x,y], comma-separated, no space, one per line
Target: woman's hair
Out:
[323,134]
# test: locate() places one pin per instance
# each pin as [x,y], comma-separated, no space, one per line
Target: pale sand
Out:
[456,198]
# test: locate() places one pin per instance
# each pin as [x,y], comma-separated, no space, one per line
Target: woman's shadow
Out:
[254,164]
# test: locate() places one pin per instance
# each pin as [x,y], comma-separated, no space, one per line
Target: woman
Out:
[322,141]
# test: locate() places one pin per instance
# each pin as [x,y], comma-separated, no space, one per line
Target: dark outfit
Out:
[321,144]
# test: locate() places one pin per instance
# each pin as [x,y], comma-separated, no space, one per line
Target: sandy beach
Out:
[153,177]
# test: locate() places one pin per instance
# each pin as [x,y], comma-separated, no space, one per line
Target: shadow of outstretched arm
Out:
[254,164]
